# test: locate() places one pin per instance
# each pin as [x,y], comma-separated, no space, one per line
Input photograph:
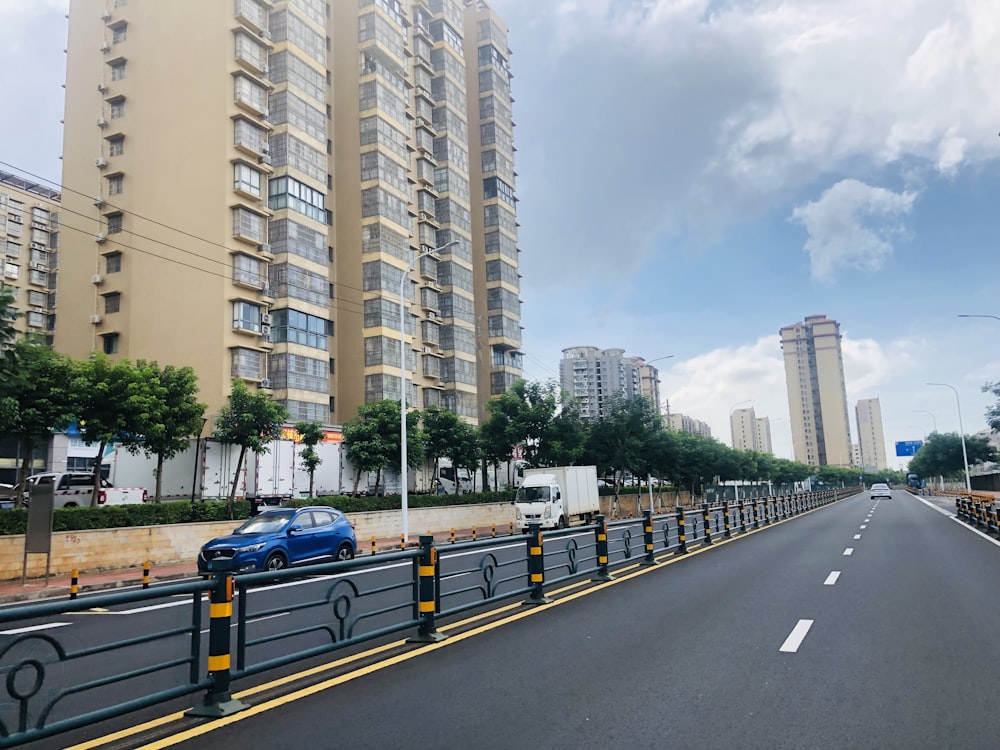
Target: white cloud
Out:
[850,227]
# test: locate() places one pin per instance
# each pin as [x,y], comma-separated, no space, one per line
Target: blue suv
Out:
[280,537]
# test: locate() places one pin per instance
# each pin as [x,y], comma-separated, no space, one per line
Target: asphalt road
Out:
[863,625]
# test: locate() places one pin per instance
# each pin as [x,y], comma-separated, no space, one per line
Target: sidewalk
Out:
[101,580]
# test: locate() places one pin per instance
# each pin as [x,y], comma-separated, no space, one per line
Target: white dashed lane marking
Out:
[849,551]
[832,578]
[795,638]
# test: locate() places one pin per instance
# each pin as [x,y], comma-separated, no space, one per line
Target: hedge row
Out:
[15,521]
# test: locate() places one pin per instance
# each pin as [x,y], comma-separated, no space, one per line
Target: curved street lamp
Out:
[933,418]
[995,317]
[403,462]
[961,431]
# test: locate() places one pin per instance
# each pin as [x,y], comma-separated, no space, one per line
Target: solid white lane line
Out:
[832,578]
[795,638]
[849,551]
[32,628]
[857,536]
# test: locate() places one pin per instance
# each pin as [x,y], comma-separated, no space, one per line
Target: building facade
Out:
[593,376]
[684,423]
[743,427]
[871,439]
[255,206]
[29,246]
[763,432]
[817,394]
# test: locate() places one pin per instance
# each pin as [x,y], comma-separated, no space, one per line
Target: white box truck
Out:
[555,496]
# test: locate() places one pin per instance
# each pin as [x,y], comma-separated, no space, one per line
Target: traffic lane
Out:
[914,627]
[684,646]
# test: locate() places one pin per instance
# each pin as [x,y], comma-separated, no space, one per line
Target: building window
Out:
[116,145]
[117,107]
[248,270]
[248,363]
[113,263]
[121,3]
[116,184]
[115,223]
[117,70]
[112,303]
[286,192]
[248,225]
[110,343]
[246,316]
[246,179]
[251,93]
[119,33]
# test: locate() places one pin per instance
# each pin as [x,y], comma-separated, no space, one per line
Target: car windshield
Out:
[266,523]
[533,495]
[880,486]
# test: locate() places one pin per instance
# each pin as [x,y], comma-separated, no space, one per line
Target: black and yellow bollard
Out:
[725,512]
[756,512]
[511,528]
[402,541]
[427,603]
[452,539]
[601,537]
[473,533]
[373,544]
[536,567]
[218,701]
[768,510]
[682,546]
[145,574]
[494,535]
[708,526]
[647,537]
[74,583]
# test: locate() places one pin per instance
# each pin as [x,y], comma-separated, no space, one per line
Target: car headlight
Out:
[251,547]
[548,511]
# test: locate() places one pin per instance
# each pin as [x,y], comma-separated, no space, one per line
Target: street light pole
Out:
[933,418]
[403,462]
[995,317]
[961,430]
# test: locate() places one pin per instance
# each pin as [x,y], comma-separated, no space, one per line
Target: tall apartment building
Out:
[763,432]
[871,439]
[684,423]
[593,375]
[817,394]
[253,204]
[29,245]
[743,426]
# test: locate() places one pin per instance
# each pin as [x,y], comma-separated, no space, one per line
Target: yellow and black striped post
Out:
[74,583]
[427,578]
[373,544]
[741,516]
[402,541]
[145,574]
[768,510]
[705,516]
[756,512]
[682,547]
[218,701]
[473,533]
[452,539]
[512,528]
[494,535]
[647,537]
[725,513]
[601,537]
[536,567]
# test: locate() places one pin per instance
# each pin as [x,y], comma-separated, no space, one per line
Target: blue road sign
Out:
[908,447]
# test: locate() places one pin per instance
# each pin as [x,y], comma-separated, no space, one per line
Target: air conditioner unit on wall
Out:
[105,47]
[97,279]
[105,15]
[265,247]
[100,237]
[101,122]
[265,319]
[102,87]
[100,161]
[265,383]
[95,319]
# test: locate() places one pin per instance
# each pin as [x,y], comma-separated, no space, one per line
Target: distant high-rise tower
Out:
[593,375]
[870,436]
[743,424]
[817,395]
[764,444]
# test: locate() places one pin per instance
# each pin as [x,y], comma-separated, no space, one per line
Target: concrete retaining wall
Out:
[107,549]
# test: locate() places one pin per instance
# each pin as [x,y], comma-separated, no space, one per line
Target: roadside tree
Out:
[310,433]
[249,420]
[941,455]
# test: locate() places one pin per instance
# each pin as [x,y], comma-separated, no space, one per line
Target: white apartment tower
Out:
[871,439]
[817,394]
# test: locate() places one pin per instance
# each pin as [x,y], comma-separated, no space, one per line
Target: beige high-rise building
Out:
[29,244]
[743,425]
[817,394]
[249,185]
[871,439]
[764,444]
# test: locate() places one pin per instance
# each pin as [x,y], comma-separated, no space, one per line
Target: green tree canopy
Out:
[372,439]
[249,420]
[941,455]
[993,413]
[310,433]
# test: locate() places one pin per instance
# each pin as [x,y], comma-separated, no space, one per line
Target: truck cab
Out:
[539,500]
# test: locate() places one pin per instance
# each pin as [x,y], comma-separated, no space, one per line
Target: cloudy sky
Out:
[695,174]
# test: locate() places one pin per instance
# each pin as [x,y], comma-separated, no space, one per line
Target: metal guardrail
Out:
[346,605]
[979,511]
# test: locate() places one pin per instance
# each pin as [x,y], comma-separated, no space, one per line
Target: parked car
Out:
[277,538]
[880,490]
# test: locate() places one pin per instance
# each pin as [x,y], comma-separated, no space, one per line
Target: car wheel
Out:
[276,561]
[563,523]
[345,552]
